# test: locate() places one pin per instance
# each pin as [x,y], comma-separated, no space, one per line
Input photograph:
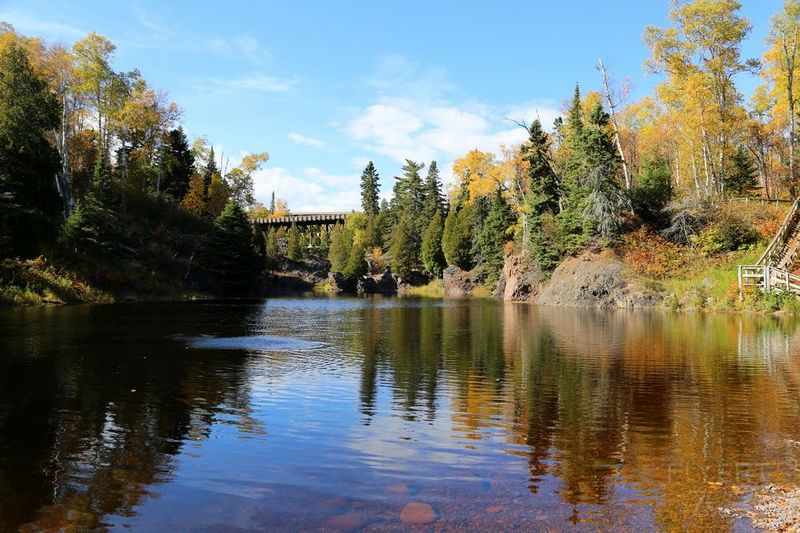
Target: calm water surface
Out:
[334,413]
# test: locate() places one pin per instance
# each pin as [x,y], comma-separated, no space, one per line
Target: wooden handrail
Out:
[766,257]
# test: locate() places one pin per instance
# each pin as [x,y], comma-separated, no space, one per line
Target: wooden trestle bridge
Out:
[774,269]
[312,225]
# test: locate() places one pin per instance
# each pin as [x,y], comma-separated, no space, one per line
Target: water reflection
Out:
[316,412]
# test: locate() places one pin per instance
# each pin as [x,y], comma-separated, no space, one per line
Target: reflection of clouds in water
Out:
[256,344]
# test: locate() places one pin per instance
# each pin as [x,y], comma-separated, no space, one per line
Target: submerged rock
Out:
[417,513]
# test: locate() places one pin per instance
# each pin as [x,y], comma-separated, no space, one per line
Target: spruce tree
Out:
[339,251]
[294,248]
[209,172]
[456,239]
[356,266]
[271,250]
[543,186]
[370,188]
[404,257]
[606,201]
[272,204]
[178,164]
[229,253]
[432,255]
[740,179]
[433,199]
[493,236]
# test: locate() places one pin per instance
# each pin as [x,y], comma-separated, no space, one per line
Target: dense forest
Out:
[97,175]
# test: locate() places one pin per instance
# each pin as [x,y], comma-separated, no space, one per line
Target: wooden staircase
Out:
[774,269]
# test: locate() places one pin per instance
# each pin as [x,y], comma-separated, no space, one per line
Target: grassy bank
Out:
[37,282]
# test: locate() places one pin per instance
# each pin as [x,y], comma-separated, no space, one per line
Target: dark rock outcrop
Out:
[459,283]
[594,280]
[339,283]
[383,284]
[520,281]
[414,279]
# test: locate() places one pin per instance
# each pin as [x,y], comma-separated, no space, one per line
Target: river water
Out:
[335,413]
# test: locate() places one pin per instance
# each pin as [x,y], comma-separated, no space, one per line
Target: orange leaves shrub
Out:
[653,256]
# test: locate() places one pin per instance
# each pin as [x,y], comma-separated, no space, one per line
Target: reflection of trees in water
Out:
[101,425]
[664,402]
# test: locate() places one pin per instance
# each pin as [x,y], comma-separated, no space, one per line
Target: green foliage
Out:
[404,256]
[728,233]
[432,255]
[543,185]
[294,247]
[456,238]
[493,235]
[229,254]
[92,230]
[433,201]
[28,163]
[653,191]
[356,265]
[272,254]
[370,187]
[178,164]
[740,179]
[339,251]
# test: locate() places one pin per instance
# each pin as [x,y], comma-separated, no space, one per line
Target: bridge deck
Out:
[303,219]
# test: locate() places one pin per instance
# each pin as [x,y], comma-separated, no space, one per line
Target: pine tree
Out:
[178,164]
[404,257]
[272,254]
[456,240]
[573,143]
[356,266]
[229,253]
[370,188]
[606,201]
[102,180]
[209,172]
[493,236]
[294,248]
[339,252]
[409,195]
[432,254]
[272,204]
[543,186]
[741,176]
[433,199]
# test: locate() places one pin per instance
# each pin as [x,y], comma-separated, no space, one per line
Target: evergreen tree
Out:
[28,162]
[102,180]
[433,199]
[372,237]
[272,204]
[229,253]
[652,191]
[432,255]
[294,248]
[272,253]
[572,145]
[456,240]
[741,176]
[91,230]
[370,187]
[493,236]
[543,186]
[409,195]
[339,252]
[606,201]
[404,257]
[210,171]
[178,164]
[356,266]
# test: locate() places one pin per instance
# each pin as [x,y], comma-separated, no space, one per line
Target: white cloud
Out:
[30,24]
[316,192]
[253,83]
[307,141]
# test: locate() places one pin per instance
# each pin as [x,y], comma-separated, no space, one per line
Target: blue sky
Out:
[326,86]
